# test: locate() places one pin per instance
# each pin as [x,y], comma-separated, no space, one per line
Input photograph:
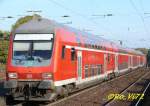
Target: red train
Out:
[47,59]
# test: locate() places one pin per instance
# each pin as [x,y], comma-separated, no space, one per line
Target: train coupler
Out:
[26,91]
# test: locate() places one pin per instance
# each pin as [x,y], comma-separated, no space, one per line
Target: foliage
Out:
[3,50]
[143,50]
[23,20]
[1,34]
[4,34]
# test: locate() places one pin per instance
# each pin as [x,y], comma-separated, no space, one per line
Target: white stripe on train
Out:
[94,50]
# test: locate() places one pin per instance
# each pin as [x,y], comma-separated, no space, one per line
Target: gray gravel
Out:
[2,101]
[2,93]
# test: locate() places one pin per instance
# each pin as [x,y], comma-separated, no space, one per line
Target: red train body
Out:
[47,59]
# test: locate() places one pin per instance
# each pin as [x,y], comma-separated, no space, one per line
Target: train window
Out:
[73,54]
[79,44]
[31,53]
[85,45]
[96,46]
[109,58]
[104,48]
[95,70]
[89,46]
[63,52]
[101,47]
[86,71]
[99,68]
[92,69]
[93,46]
[89,71]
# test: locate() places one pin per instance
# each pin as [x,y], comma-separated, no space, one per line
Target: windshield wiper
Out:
[34,58]
[30,52]
[18,61]
[39,59]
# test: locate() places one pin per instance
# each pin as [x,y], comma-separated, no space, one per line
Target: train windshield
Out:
[29,51]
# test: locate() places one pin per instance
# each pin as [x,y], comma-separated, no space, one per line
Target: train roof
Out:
[36,26]
[42,25]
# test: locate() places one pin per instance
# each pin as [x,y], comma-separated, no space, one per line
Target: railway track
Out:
[114,101]
[140,101]
[61,102]
[2,93]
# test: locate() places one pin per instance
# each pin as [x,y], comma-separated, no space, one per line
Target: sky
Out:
[130,20]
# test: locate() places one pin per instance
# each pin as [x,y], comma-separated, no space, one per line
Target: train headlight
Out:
[12,75]
[47,76]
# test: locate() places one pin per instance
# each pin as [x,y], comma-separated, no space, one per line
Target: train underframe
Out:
[31,90]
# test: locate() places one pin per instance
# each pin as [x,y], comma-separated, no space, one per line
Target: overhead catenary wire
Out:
[85,17]
[79,14]
[140,15]
[141,5]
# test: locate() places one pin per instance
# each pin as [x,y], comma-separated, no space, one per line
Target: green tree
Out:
[1,34]
[143,50]
[3,50]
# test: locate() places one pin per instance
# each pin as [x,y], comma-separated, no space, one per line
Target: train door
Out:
[105,63]
[129,61]
[116,62]
[79,65]
[139,61]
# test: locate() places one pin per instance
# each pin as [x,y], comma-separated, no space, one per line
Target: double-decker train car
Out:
[47,59]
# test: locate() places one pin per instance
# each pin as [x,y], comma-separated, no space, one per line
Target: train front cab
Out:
[30,67]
